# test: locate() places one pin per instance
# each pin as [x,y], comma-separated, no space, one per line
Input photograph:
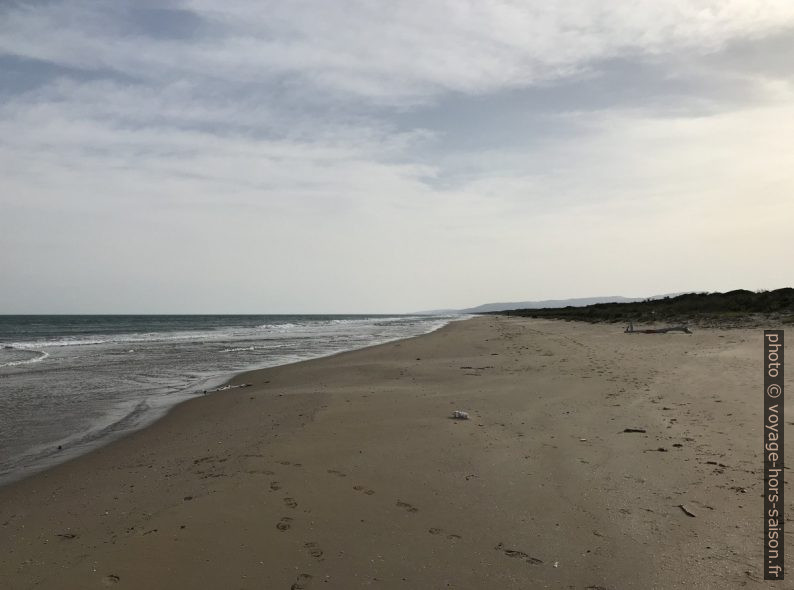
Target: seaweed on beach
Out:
[738,307]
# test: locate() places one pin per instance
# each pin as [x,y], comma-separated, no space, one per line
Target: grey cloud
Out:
[162,23]
[393,54]
[769,55]
[519,117]
[20,74]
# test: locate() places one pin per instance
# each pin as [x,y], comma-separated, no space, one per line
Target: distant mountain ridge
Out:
[576,302]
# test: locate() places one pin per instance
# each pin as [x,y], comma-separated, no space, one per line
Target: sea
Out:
[70,383]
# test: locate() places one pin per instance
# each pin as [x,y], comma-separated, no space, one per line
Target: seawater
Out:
[71,383]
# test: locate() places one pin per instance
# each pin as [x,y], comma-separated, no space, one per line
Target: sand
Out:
[347,472]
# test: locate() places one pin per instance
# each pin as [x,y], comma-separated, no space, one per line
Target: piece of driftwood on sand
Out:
[631,330]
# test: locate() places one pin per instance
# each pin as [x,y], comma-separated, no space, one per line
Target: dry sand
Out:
[346,472]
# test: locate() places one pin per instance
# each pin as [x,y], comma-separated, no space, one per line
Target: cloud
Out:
[386,157]
[387,53]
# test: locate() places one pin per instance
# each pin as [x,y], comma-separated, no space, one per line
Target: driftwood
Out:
[687,511]
[682,328]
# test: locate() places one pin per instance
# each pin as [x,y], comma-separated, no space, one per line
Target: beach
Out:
[591,459]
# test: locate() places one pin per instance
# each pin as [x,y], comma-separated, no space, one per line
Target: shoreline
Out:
[89,441]
[347,471]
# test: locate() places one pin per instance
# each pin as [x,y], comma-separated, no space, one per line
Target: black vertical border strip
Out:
[774,423]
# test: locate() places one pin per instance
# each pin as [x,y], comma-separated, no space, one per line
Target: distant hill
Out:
[490,307]
[734,306]
[555,303]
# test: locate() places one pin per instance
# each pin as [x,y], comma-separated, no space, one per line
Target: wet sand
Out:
[347,472]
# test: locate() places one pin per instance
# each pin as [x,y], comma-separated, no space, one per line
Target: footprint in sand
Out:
[291,502]
[337,473]
[302,582]
[290,463]
[275,486]
[367,491]
[314,550]
[284,524]
[110,580]
[407,506]
[438,531]
[518,554]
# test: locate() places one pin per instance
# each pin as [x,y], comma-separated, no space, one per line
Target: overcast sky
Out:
[360,156]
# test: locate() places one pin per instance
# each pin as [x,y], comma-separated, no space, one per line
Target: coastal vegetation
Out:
[738,307]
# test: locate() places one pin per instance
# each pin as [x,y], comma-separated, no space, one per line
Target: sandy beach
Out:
[592,459]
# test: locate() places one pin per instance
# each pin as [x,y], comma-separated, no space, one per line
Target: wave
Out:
[308,329]
[36,359]
[286,326]
[353,321]
[240,349]
[120,339]
[217,334]
[213,334]
[382,321]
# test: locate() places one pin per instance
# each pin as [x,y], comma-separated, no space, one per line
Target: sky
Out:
[249,156]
